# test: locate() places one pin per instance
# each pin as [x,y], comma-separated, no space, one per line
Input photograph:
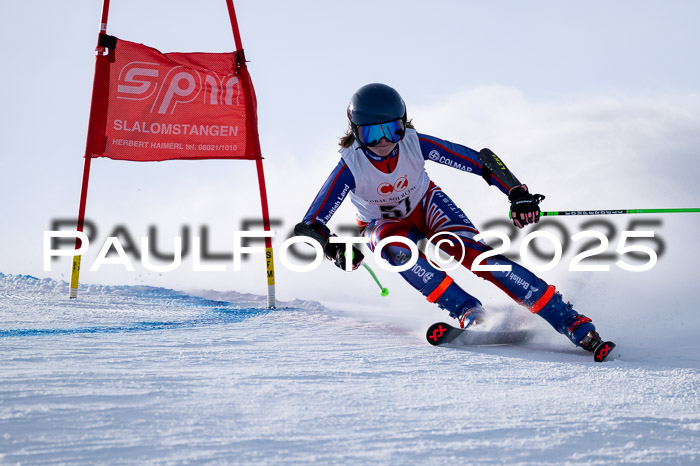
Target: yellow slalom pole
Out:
[75,269]
[270,278]
[270,263]
[74,277]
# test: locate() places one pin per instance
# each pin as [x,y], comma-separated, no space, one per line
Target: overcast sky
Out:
[596,104]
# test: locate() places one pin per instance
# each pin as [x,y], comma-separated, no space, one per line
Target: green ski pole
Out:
[616,211]
[385,291]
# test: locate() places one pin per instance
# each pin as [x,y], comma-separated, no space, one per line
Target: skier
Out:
[382,168]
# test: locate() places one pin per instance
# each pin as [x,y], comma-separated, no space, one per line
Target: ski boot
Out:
[577,327]
[593,343]
[469,315]
[590,341]
[461,306]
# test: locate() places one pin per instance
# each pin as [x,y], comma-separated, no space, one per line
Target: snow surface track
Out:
[148,375]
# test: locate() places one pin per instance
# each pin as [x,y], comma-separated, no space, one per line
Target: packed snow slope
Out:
[150,375]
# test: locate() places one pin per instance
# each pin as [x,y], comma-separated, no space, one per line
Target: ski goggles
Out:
[393,131]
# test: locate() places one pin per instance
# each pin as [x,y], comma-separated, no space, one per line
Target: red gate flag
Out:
[150,106]
[164,106]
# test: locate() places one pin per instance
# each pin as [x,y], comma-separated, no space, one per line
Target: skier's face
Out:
[383,148]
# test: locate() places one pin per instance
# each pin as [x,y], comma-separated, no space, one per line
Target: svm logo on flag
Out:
[164,106]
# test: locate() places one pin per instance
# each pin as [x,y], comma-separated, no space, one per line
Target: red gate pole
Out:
[270,264]
[75,268]
[252,129]
[234,25]
[95,105]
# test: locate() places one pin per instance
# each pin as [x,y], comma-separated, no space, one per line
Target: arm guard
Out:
[316,231]
[491,164]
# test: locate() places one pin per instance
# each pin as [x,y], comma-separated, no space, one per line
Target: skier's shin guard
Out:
[562,316]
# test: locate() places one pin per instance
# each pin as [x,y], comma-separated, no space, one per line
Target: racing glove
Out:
[524,207]
[333,251]
[336,253]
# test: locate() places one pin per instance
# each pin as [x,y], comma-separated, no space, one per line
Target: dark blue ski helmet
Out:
[374,104]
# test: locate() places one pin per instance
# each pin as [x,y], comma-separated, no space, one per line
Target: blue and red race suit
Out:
[341,181]
[436,213]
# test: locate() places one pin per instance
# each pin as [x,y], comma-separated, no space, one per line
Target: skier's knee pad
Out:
[385,228]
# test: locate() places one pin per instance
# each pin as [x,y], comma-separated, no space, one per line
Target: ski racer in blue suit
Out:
[382,169]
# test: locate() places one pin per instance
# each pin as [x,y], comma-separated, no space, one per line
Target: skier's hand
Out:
[524,207]
[336,253]
[315,230]
[333,251]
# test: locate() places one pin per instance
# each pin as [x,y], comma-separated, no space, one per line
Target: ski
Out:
[441,334]
[603,350]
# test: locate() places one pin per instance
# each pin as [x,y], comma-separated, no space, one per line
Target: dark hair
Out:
[348,138]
